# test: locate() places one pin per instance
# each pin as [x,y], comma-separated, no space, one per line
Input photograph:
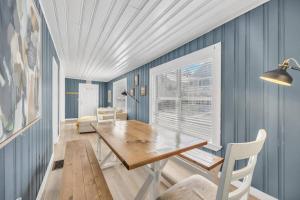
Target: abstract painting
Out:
[20,66]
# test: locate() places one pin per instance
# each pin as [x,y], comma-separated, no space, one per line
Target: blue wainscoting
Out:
[251,44]
[23,162]
[71,96]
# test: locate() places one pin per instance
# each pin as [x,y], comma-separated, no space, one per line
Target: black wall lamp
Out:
[125,93]
[281,76]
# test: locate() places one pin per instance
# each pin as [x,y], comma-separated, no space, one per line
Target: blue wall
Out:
[143,106]
[102,93]
[71,96]
[23,162]
[251,44]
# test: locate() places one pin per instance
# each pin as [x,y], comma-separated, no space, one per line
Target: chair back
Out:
[235,152]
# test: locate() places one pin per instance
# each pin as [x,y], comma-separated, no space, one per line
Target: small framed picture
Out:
[132,92]
[109,96]
[143,90]
[136,80]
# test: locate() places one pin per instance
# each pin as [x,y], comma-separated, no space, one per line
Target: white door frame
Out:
[55,101]
[115,95]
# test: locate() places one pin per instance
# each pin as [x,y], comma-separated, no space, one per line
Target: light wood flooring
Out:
[123,184]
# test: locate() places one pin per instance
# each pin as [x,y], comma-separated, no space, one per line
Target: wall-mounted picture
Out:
[20,67]
[109,96]
[132,92]
[143,90]
[136,80]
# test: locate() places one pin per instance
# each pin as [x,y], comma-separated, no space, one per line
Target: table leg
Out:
[156,167]
[99,148]
[152,182]
[106,158]
[143,191]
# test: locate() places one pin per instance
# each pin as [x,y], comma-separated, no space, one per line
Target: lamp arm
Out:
[296,65]
[133,98]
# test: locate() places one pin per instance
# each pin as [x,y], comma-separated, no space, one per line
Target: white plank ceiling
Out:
[102,39]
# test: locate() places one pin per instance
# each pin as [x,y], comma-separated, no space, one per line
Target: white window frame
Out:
[213,53]
[115,94]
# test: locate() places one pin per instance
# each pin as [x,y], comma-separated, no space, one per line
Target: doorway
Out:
[88,99]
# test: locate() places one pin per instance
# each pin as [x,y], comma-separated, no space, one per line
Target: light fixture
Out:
[125,93]
[281,76]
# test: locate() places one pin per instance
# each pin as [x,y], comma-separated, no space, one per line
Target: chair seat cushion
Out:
[193,187]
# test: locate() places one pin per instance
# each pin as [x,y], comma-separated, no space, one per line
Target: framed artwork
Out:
[136,80]
[109,96]
[132,92]
[20,68]
[143,90]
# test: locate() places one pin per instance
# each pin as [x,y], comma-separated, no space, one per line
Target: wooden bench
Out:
[206,161]
[82,176]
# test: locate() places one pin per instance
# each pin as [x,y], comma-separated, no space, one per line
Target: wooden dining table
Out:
[138,144]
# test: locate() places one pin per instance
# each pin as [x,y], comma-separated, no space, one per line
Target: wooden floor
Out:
[122,183]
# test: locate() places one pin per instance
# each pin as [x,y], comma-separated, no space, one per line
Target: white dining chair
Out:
[199,187]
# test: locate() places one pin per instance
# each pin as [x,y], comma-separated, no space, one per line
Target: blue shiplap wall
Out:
[251,44]
[23,161]
[102,93]
[71,99]
[142,107]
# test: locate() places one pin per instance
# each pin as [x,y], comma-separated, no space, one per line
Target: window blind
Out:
[186,97]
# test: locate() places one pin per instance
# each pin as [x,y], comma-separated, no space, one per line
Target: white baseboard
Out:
[70,119]
[255,192]
[43,185]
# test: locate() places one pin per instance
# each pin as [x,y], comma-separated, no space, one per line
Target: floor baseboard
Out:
[43,185]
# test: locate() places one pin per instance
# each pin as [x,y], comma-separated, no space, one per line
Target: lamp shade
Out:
[278,76]
[124,93]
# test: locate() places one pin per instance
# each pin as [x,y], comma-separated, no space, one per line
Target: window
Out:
[120,101]
[185,95]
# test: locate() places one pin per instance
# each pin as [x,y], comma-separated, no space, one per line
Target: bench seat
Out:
[202,158]
[209,163]
[82,176]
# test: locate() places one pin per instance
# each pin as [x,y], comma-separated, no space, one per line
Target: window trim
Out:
[213,51]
